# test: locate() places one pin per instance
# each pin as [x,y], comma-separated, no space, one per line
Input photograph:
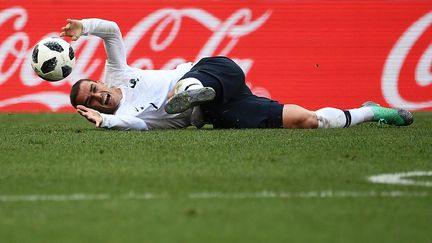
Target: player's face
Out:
[98,96]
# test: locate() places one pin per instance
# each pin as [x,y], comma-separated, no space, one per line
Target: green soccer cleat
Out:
[189,98]
[391,116]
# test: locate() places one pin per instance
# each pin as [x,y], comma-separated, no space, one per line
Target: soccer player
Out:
[211,91]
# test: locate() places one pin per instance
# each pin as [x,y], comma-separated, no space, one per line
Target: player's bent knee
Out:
[295,116]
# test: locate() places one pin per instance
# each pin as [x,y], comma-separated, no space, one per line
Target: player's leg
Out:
[294,116]
[211,80]
[336,118]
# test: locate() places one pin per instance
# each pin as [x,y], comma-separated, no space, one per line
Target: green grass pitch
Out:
[62,180]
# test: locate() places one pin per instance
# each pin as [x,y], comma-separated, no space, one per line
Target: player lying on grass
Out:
[211,91]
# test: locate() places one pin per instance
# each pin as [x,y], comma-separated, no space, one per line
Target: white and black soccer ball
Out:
[53,59]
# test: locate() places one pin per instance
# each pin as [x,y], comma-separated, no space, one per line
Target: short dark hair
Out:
[75,90]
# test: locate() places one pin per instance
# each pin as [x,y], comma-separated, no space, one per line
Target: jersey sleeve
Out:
[122,122]
[113,41]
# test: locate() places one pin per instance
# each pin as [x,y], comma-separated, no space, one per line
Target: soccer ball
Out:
[53,59]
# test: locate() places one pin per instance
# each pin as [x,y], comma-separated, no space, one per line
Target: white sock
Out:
[359,115]
[187,84]
[335,118]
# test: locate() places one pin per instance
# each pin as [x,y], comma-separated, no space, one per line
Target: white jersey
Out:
[144,91]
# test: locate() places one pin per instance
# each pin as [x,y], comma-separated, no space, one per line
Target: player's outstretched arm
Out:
[110,33]
[121,122]
[90,114]
[73,28]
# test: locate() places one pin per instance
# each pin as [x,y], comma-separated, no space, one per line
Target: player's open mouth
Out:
[107,98]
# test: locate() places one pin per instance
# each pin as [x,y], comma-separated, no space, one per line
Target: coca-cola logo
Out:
[394,65]
[286,53]
[225,36]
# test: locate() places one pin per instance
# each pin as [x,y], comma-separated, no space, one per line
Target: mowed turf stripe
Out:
[309,194]
[216,195]
[53,197]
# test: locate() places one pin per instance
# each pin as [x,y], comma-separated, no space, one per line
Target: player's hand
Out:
[73,28]
[90,114]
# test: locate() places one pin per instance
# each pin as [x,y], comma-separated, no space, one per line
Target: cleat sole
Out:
[189,98]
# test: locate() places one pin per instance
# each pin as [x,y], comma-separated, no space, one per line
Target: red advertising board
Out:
[311,53]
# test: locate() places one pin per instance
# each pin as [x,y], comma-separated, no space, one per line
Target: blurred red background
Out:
[312,53]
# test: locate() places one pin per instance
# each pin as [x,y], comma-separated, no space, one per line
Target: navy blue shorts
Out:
[234,106]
